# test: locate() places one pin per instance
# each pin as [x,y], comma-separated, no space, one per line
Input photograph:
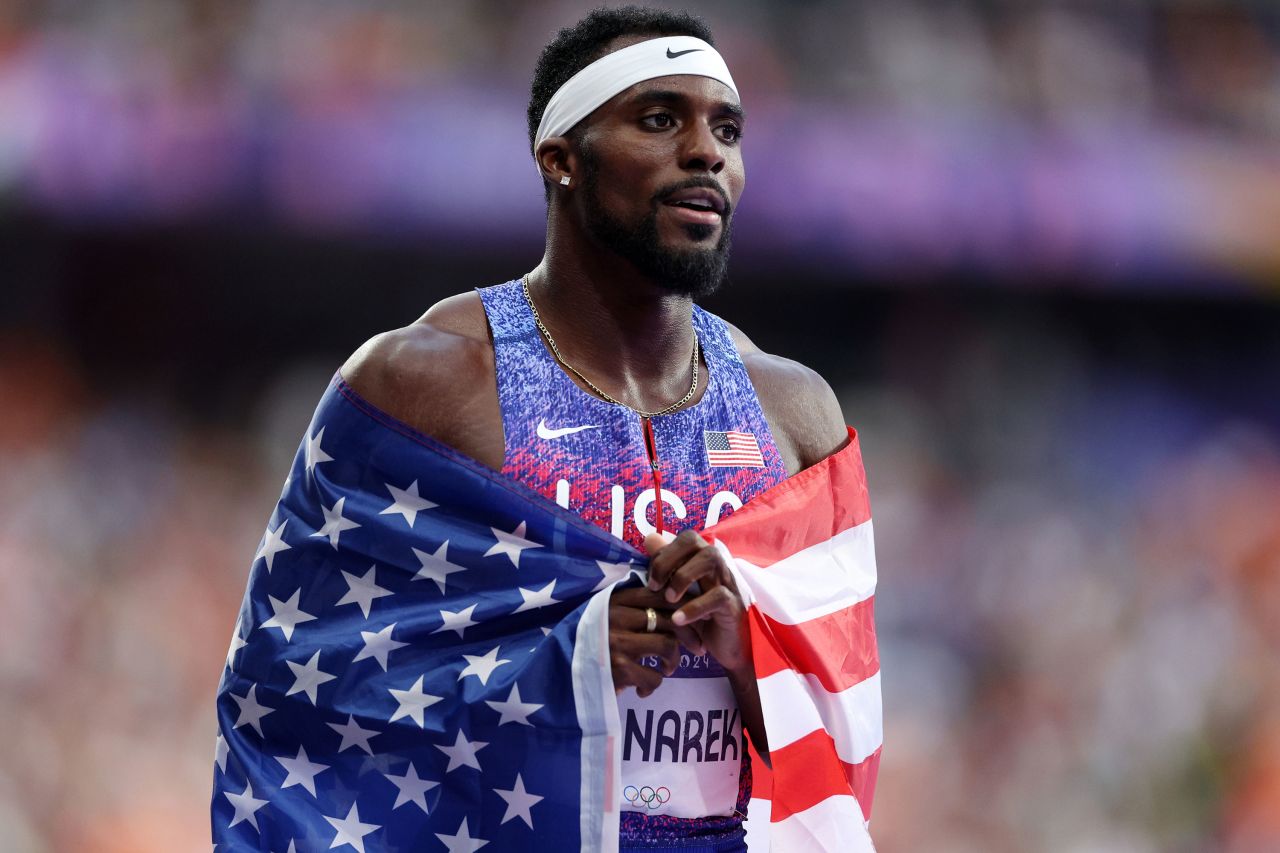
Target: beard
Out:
[687,272]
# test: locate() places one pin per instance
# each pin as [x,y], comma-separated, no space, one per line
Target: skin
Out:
[633,338]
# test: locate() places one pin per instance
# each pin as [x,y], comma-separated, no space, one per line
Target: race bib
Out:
[682,745]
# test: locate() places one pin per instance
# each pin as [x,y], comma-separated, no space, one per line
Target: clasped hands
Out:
[696,604]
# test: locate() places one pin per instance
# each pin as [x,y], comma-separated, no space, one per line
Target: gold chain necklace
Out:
[551,342]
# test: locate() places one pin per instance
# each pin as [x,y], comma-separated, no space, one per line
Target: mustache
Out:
[695,183]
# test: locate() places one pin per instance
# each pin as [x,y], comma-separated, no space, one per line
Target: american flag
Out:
[417,664]
[421,659]
[738,449]
[804,553]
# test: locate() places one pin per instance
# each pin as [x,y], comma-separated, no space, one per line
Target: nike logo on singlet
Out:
[545,432]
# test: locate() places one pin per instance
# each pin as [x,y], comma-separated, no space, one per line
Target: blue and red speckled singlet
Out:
[685,776]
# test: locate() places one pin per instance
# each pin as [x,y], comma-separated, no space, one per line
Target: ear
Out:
[557,161]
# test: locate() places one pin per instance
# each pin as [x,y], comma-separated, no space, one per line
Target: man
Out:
[641,197]
[595,381]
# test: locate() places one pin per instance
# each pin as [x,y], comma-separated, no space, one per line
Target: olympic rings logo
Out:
[652,798]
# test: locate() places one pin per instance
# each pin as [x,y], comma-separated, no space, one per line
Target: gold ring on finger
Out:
[651,616]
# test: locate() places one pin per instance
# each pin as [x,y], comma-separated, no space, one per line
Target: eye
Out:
[730,132]
[661,121]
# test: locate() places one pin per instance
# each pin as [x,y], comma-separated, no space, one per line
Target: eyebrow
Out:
[673,98]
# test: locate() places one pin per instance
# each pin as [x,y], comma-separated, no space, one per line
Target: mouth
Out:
[696,205]
[693,215]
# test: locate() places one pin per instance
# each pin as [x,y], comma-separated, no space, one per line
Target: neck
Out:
[626,333]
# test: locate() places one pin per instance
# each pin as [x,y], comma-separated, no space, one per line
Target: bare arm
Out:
[437,375]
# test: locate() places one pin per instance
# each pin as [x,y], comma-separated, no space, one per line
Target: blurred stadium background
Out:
[1034,245]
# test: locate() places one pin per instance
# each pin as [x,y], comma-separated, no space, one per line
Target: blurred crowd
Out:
[1125,139]
[1078,610]
[1058,60]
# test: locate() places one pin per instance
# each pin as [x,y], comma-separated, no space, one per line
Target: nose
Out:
[702,150]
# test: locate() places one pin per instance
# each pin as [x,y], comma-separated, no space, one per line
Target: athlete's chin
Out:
[686,236]
[692,272]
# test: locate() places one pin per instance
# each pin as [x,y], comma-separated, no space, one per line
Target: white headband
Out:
[610,74]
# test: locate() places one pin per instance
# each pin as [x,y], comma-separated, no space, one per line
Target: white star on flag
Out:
[302,770]
[362,590]
[287,614]
[351,830]
[272,543]
[412,702]
[378,645]
[334,523]
[412,788]
[463,752]
[513,710]
[511,544]
[246,806]
[436,567]
[482,666]
[251,713]
[407,502]
[462,842]
[237,643]
[308,677]
[612,572]
[519,801]
[353,734]
[220,752]
[456,621]
[314,454]
[534,599]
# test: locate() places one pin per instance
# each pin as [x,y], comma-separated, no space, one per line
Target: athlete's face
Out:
[661,169]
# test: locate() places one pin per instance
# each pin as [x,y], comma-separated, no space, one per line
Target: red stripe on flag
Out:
[839,649]
[808,771]
[804,510]
[862,778]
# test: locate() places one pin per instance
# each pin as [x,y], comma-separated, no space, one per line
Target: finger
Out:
[704,567]
[655,542]
[715,602]
[628,673]
[637,647]
[670,558]
[689,637]
[638,596]
[634,620]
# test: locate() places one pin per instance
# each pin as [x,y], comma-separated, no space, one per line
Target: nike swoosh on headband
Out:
[545,432]
[671,55]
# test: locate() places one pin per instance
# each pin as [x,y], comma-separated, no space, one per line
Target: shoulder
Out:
[802,410]
[437,375]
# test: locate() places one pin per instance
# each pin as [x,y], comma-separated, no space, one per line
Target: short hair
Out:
[576,47]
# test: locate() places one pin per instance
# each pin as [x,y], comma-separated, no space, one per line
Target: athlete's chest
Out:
[610,467]
[627,474]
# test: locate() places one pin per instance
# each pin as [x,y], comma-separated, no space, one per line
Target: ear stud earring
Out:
[564,180]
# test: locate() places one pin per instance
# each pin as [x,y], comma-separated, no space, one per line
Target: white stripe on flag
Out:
[835,824]
[795,705]
[757,825]
[821,579]
[597,706]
